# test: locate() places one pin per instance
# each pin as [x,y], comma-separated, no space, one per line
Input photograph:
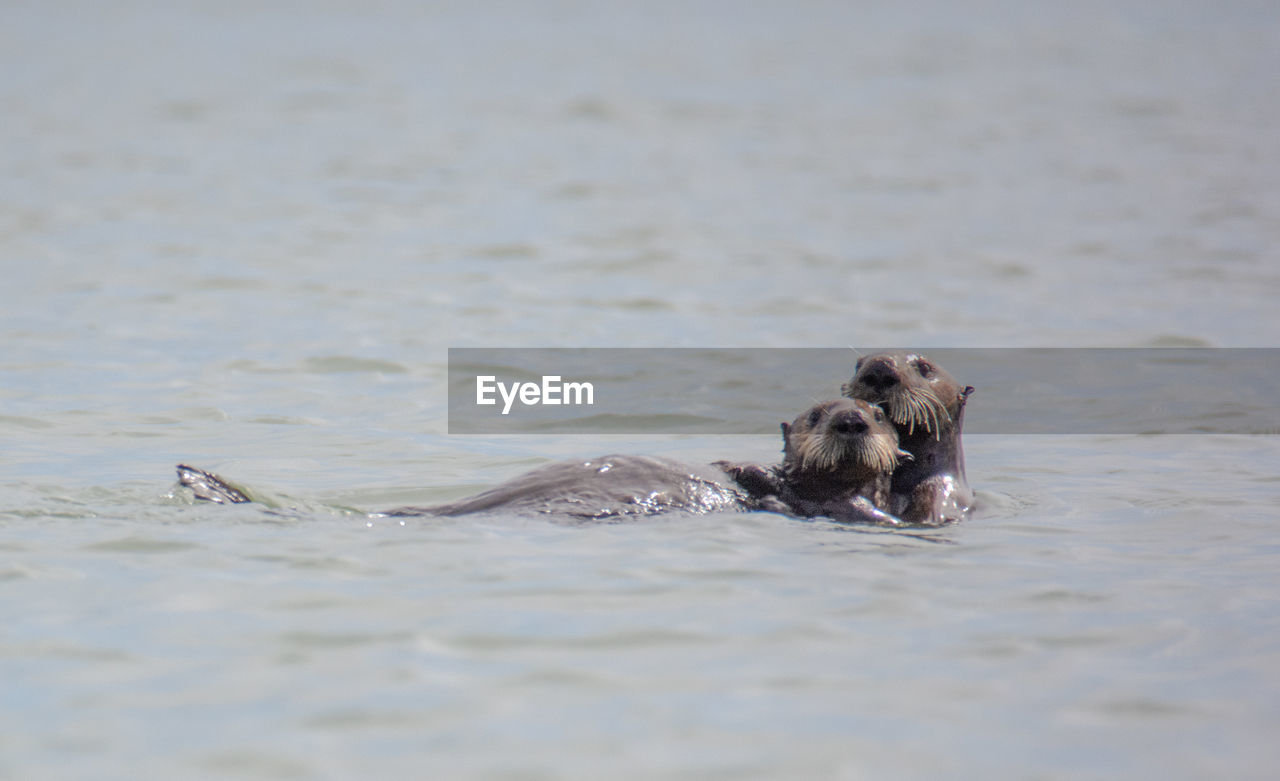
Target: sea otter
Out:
[838,458]
[926,405]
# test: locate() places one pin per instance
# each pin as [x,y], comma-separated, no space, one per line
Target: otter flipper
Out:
[755,479]
[859,509]
[209,487]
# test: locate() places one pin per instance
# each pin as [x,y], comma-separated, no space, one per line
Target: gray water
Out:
[243,235]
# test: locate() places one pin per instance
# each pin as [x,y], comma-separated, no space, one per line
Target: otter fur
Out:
[838,458]
[926,405]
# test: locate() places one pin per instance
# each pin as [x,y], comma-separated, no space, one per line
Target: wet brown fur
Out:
[838,461]
[926,405]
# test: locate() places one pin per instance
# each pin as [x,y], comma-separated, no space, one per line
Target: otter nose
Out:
[849,422]
[880,376]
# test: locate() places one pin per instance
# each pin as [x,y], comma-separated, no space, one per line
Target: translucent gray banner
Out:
[749,391]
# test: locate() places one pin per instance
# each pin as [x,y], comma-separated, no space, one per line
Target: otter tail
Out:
[209,487]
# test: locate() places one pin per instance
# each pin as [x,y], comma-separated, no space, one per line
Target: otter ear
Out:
[786,429]
[904,457]
[858,365]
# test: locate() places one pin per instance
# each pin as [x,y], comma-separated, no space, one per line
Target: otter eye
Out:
[879,415]
[814,417]
[925,367]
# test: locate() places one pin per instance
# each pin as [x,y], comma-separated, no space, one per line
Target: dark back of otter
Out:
[600,488]
[610,486]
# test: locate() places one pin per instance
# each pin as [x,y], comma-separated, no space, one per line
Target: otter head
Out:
[915,391]
[841,438]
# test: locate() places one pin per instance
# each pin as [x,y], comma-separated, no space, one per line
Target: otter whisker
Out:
[825,454]
[919,414]
[940,416]
[918,406]
[932,414]
[820,453]
[828,453]
[877,453]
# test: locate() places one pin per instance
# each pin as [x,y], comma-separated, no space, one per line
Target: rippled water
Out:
[244,236]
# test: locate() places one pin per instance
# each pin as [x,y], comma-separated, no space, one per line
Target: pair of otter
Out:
[889,453]
[925,485]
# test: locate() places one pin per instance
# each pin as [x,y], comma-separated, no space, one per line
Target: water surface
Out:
[244,236]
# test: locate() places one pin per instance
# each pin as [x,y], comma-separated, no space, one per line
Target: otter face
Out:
[915,391]
[842,435]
